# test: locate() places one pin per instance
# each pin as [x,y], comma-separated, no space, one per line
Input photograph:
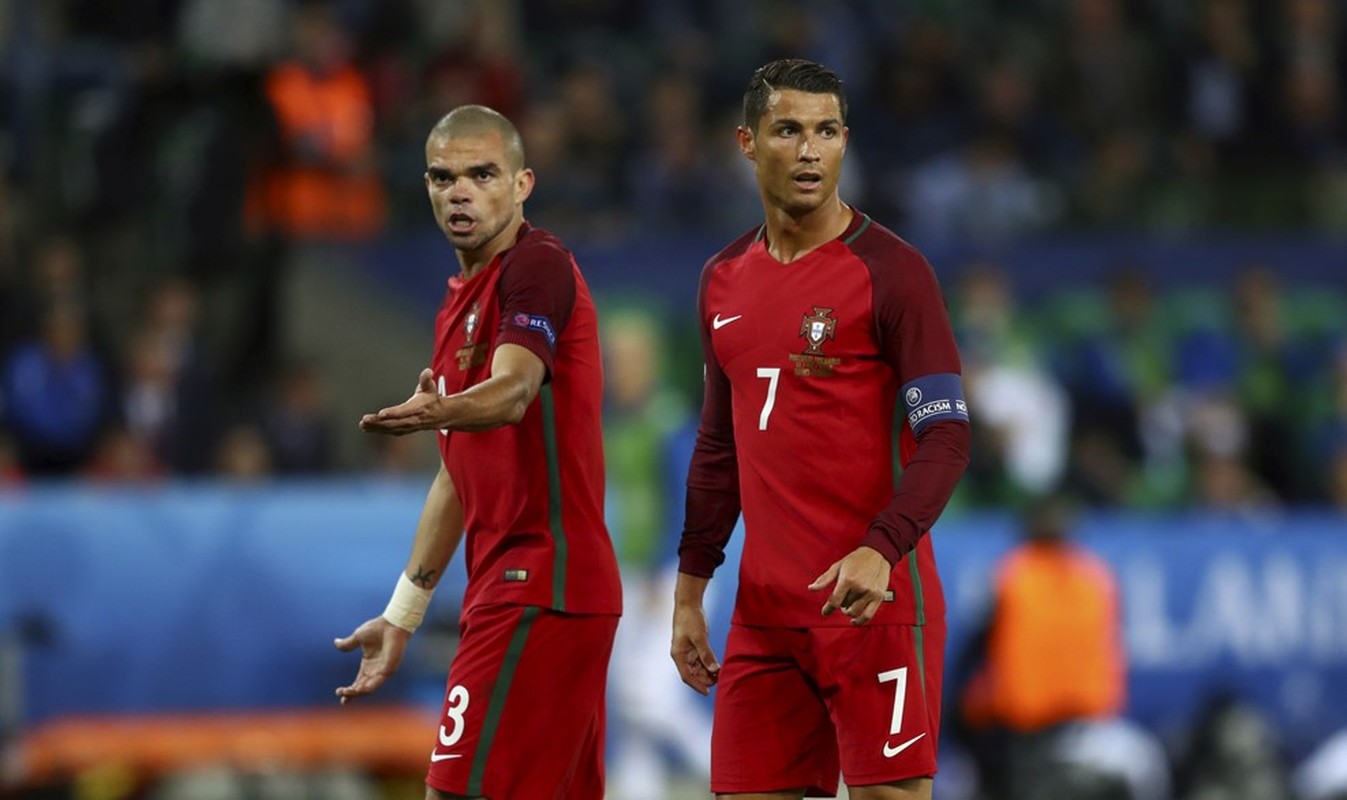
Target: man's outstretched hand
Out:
[418,413]
[381,646]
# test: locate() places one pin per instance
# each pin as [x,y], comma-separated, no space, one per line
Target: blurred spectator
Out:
[324,183]
[1217,438]
[640,416]
[982,192]
[1224,96]
[124,458]
[168,391]
[58,278]
[1020,444]
[1114,355]
[597,144]
[480,63]
[58,394]
[232,34]
[672,167]
[1231,754]
[1118,176]
[916,98]
[1274,364]
[401,457]
[296,423]
[11,471]
[1104,74]
[242,455]
[553,203]
[1224,483]
[1047,665]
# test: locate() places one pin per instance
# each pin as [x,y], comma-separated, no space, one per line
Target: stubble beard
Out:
[797,205]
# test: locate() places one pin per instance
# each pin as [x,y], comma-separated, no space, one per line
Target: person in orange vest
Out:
[1050,653]
[325,183]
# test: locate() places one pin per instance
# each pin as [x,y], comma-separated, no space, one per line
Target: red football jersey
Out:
[804,366]
[532,492]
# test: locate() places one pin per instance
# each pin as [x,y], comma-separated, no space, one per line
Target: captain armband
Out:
[407,607]
[934,398]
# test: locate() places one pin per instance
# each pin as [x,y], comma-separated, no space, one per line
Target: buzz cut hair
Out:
[474,120]
[789,73]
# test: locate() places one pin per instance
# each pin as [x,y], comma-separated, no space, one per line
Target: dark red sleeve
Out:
[917,340]
[536,294]
[712,506]
[927,482]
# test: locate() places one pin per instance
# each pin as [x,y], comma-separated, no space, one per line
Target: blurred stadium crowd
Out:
[162,159]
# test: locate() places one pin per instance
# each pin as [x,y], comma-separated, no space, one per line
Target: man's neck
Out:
[789,237]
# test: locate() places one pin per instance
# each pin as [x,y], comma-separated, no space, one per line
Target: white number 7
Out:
[899,676]
[773,375]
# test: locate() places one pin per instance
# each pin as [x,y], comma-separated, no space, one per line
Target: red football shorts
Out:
[796,706]
[524,709]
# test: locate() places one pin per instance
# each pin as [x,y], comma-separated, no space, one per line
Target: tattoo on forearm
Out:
[423,576]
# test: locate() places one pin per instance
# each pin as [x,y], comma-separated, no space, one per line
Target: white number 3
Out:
[455,706]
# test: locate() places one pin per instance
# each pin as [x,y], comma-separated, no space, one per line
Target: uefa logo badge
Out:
[913,396]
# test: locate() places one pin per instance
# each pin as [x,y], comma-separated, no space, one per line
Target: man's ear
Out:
[746,141]
[523,184]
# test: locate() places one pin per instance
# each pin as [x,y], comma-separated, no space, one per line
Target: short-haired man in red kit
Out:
[515,392]
[815,326]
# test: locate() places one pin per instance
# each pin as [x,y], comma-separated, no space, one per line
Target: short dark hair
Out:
[789,73]
[475,120]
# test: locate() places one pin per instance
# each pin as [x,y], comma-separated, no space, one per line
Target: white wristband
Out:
[407,606]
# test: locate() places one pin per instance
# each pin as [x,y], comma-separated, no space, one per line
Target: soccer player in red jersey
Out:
[514,391]
[814,326]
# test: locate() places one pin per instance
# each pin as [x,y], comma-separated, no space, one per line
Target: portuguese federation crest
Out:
[816,329]
[472,354]
[470,325]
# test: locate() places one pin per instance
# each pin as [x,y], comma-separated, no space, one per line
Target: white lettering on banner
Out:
[1268,610]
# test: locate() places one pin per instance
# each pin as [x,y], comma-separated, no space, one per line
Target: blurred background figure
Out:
[324,181]
[659,731]
[1041,685]
[1020,448]
[243,455]
[1232,752]
[296,422]
[59,394]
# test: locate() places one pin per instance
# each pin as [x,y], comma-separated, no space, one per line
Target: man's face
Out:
[474,191]
[797,150]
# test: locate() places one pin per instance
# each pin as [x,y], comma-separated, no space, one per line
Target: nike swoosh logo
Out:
[718,323]
[890,752]
[446,756]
